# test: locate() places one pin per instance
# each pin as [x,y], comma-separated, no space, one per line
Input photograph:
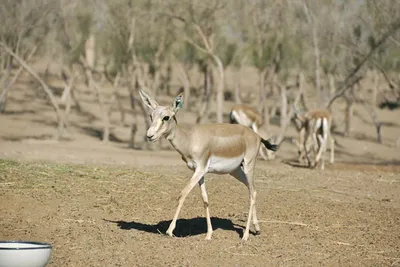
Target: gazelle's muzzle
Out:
[153,132]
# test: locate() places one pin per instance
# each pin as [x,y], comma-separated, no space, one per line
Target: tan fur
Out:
[314,136]
[250,112]
[319,113]
[250,117]
[219,148]
[223,140]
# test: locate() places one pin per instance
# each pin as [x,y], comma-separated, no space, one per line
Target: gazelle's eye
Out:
[151,118]
[166,118]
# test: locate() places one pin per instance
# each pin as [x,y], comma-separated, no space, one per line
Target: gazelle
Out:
[208,148]
[248,116]
[314,130]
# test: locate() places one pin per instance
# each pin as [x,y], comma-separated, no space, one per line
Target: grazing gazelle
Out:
[250,117]
[314,130]
[208,148]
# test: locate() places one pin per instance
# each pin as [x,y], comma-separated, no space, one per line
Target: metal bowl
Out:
[24,254]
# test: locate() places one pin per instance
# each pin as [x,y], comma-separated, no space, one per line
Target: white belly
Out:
[224,165]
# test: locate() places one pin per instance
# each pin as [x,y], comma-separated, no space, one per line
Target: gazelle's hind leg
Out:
[248,168]
[305,144]
[206,204]
[323,143]
[299,144]
[315,139]
[262,150]
[242,177]
[263,154]
[321,152]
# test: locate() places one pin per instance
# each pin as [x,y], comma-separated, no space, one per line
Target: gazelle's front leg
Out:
[206,204]
[249,170]
[241,176]
[321,152]
[198,174]
[323,143]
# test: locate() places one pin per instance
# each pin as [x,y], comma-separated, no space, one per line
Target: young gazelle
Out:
[314,130]
[250,117]
[208,148]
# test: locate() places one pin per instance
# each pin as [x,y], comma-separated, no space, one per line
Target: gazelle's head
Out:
[162,117]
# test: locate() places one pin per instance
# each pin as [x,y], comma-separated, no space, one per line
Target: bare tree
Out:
[201,20]
[45,87]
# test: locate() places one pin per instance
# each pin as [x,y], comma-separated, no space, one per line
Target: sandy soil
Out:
[107,205]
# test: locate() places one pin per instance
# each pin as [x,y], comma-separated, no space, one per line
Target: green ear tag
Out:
[178,102]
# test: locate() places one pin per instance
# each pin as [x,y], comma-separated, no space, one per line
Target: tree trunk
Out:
[208,88]
[372,109]
[139,83]
[167,82]
[220,91]
[332,87]
[118,98]
[284,103]
[104,113]
[300,84]
[115,95]
[236,81]
[262,95]
[134,127]
[375,88]
[348,114]
[184,78]
[288,115]
[66,97]
[47,90]
[319,95]
[90,51]
[6,86]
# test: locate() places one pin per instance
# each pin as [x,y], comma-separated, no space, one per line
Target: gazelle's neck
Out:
[179,139]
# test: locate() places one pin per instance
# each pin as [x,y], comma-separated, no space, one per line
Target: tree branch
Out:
[42,83]
[346,84]
[14,79]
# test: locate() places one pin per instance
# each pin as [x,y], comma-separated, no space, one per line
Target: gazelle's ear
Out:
[177,104]
[150,102]
[297,114]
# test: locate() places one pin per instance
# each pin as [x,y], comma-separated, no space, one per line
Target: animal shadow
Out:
[296,164]
[184,227]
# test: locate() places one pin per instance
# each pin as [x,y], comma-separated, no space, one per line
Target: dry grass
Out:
[107,216]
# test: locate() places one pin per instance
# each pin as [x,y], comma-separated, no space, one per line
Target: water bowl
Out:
[24,254]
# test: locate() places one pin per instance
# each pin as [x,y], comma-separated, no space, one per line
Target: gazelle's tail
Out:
[268,145]
[232,119]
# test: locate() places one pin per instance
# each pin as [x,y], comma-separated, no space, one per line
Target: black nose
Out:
[149,137]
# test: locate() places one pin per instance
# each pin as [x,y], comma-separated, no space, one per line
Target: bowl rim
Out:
[43,245]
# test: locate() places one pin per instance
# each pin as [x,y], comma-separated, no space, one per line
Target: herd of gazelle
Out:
[313,131]
[224,148]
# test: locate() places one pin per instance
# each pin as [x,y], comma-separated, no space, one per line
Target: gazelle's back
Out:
[224,142]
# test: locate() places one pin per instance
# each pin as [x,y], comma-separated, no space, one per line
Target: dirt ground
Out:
[107,205]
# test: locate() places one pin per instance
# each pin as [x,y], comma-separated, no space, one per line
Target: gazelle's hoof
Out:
[258,232]
[245,237]
[169,232]
[208,236]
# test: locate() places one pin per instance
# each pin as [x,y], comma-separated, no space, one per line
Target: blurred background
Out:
[70,71]
[77,171]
